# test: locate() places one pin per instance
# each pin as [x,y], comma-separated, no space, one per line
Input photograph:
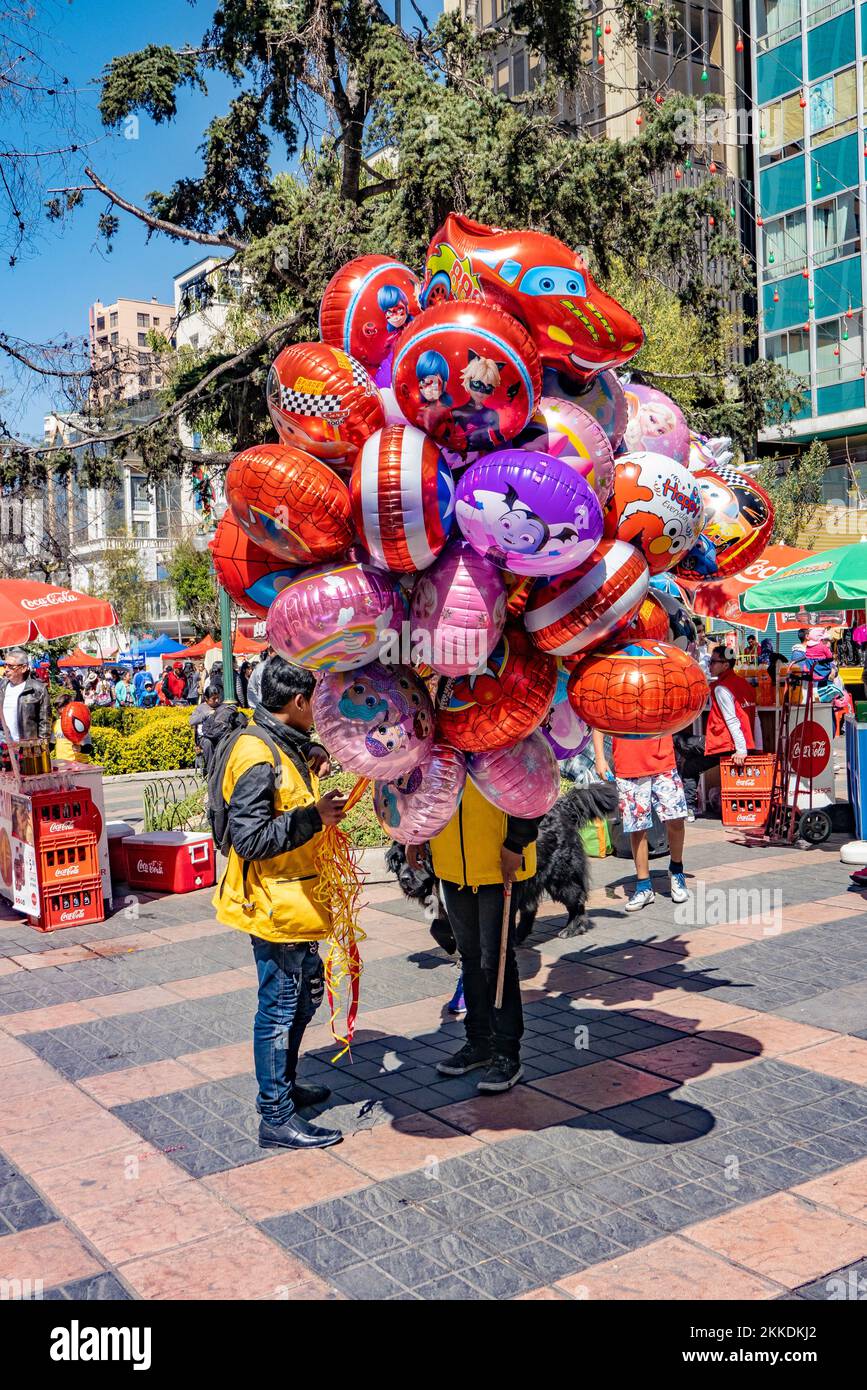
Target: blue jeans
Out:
[291,982]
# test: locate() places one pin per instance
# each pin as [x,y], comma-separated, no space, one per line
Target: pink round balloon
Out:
[564,430]
[655,423]
[522,780]
[335,617]
[458,610]
[376,722]
[565,731]
[414,808]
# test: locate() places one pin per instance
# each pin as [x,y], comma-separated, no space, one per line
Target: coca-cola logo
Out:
[72,916]
[155,866]
[51,600]
[57,827]
[69,872]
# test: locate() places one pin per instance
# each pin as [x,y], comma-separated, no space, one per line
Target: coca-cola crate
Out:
[68,859]
[70,905]
[61,813]
[745,811]
[756,775]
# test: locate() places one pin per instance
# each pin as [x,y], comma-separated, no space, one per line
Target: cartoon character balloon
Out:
[638,689]
[335,618]
[739,518]
[565,431]
[655,423]
[538,279]
[467,374]
[251,575]
[657,506]
[75,721]
[403,498]
[650,620]
[290,503]
[580,610]
[323,401]
[415,807]
[376,722]
[523,780]
[565,731]
[503,702]
[527,512]
[458,610]
[366,306]
[603,398]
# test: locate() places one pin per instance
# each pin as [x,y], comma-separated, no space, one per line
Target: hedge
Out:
[130,719]
[161,745]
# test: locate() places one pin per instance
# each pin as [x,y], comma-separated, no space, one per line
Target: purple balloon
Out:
[565,731]
[528,512]
[655,424]
[523,780]
[376,722]
[414,808]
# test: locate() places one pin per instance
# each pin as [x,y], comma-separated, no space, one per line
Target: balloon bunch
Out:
[460,526]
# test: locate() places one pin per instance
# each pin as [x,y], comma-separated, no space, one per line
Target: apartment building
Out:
[121,353]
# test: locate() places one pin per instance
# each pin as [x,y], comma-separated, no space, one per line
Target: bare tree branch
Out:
[158,224]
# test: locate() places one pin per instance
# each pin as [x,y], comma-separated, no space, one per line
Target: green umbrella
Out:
[830,579]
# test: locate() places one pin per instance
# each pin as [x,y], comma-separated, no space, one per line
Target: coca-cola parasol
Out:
[30,611]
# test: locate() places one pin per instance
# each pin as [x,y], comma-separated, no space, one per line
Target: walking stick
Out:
[504,942]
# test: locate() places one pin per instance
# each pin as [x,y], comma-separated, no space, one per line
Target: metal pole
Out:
[226,639]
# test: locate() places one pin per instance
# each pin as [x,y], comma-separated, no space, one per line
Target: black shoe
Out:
[468,1058]
[305,1096]
[502,1074]
[296,1133]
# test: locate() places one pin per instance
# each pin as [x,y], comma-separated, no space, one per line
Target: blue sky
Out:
[48,292]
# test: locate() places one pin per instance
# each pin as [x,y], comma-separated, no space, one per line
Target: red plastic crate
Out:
[70,905]
[745,810]
[756,775]
[62,813]
[170,861]
[68,859]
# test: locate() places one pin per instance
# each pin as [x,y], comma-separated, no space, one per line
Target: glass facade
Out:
[809,83]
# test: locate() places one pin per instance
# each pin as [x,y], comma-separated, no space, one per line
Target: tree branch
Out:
[158,224]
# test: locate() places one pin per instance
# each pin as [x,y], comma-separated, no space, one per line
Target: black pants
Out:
[476,917]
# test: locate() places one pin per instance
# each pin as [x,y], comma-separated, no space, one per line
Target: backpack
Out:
[217,741]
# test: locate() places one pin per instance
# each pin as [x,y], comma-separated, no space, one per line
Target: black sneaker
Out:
[305,1096]
[470,1057]
[296,1133]
[502,1074]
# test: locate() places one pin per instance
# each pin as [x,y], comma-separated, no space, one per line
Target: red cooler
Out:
[116,832]
[170,861]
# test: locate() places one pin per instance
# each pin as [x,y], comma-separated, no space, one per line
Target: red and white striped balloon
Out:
[403,498]
[576,611]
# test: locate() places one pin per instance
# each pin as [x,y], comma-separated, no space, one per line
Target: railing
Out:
[782,35]
[828,11]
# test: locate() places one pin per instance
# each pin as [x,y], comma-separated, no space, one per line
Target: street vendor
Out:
[732,727]
[25,704]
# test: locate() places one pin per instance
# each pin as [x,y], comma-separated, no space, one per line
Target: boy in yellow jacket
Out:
[275,819]
[479,852]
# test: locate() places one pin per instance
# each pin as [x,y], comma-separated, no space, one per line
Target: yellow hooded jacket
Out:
[467,852]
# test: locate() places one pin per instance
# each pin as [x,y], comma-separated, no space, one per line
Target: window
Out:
[785,245]
[836,227]
[535,76]
[777,21]
[142,339]
[143,359]
[100,323]
[144,378]
[503,75]
[781,129]
[791,350]
[818,11]
[833,107]
[141,529]
[156,322]
[112,323]
[140,493]
[519,72]
[838,350]
[142,320]
[114,340]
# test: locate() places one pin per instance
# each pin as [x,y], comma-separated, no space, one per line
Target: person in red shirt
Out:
[732,728]
[648,780]
[176,683]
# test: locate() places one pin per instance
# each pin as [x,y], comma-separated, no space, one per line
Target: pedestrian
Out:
[211,702]
[751,650]
[25,704]
[254,684]
[242,682]
[193,684]
[480,854]
[732,726]
[91,693]
[648,781]
[138,682]
[701,648]
[275,817]
[176,684]
[121,689]
[149,695]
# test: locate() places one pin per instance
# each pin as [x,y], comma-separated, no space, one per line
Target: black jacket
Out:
[255,831]
[34,708]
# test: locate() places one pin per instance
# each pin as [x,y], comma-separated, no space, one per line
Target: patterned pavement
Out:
[692,1122]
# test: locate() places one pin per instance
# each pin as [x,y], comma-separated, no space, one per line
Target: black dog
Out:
[562,871]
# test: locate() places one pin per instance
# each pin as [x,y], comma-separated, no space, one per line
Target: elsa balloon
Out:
[655,423]
[415,807]
[376,722]
[522,780]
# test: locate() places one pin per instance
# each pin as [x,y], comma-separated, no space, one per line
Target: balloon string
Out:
[339,889]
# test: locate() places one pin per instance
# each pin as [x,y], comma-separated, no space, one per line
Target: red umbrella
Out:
[30,611]
[207,644]
[80,660]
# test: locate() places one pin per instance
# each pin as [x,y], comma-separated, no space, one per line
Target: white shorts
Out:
[641,796]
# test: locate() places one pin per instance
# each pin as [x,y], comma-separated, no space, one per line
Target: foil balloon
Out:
[75,721]
[565,731]
[502,702]
[638,689]
[529,513]
[603,398]
[565,431]
[468,375]
[739,518]
[650,620]
[403,498]
[709,453]
[542,282]
[376,722]
[251,576]
[366,306]
[415,807]
[655,423]
[657,506]
[290,503]
[392,411]
[336,617]
[458,610]
[579,610]
[323,401]
[523,780]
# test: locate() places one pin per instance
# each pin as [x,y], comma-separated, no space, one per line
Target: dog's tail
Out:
[596,802]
